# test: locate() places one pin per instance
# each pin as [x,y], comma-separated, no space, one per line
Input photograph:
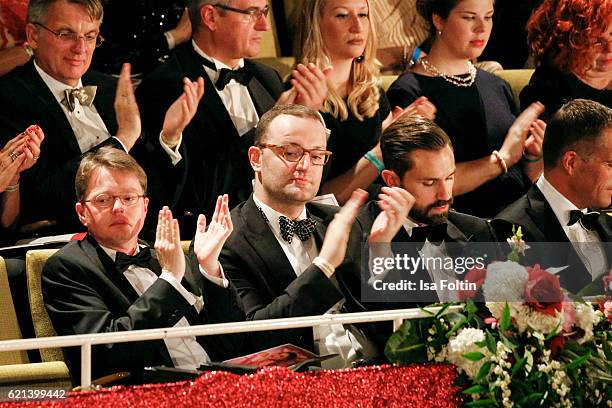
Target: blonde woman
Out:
[340,34]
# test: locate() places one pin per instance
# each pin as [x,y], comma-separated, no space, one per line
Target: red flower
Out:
[556,344]
[543,291]
[475,275]
[606,308]
[607,282]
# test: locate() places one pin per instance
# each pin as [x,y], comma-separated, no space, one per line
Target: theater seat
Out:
[9,326]
[517,78]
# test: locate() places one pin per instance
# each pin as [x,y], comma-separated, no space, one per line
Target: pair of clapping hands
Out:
[395,203]
[19,154]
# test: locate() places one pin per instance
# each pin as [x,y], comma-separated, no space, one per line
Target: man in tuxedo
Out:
[238,91]
[109,282]
[286,256]
[79,110]
[563,205]
[419,158]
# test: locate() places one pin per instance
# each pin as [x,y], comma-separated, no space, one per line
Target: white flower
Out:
[505,282]
[517,244]
[463,343]
[585,318]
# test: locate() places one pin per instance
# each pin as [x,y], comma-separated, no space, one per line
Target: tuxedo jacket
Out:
[48,187]
[539,224]
[461,231]
[269,288]
[214,155]
[85,293]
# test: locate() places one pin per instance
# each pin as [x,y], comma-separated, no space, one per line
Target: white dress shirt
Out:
[586,243]
[185,352]
[235,96]
[85,121]
[328,339]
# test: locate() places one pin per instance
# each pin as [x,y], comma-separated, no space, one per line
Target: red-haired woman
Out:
[572,42]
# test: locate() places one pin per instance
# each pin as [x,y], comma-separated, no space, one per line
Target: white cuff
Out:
[174,154]
[121,143]
[193,300]
[170,39]
[220,281]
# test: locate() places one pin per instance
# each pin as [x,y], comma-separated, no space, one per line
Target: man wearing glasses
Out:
[285,256]
[226,34]
[79,110]
[109,282]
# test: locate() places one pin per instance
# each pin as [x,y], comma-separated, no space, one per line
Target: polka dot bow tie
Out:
[302,228]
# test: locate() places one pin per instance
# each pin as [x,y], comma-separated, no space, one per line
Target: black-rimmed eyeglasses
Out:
[254,13]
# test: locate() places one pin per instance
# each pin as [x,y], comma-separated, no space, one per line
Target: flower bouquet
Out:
[531,346]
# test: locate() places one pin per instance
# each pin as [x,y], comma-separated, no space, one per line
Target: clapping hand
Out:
[514,143]
[180,113]
[168,244]
[334,245]
[207,243]
[534,143]
[19,154]
[126,110]
[395,203]
[421,106]
[310,84]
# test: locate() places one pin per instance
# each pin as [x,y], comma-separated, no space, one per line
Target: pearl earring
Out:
[439,32]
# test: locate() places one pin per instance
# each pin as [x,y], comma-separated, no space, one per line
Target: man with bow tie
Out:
[419,159]
[285,257]
[79,110]
[226,35]
[563,205]
[110,282]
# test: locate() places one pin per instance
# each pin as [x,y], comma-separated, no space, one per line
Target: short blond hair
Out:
[110,158]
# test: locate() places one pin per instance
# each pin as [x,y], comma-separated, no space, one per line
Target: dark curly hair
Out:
[442,8]
[564,32]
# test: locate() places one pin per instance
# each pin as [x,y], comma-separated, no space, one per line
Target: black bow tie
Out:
[241,75]
[588,220]
[302,228]
[142,258]
[432,233]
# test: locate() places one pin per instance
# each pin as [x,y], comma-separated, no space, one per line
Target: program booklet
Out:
[287,355]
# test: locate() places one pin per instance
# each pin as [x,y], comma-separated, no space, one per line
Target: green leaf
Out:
[554,332]
[518,365]
[491,343]
[474,389]
[578,361]
[531,399]
[505,321]
[456,327]
[481,403]
[471,308]
[484,370]
[606,348]
[473,356]
[404,346]
[442,310]
[481,343]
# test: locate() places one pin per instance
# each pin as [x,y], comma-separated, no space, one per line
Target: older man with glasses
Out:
[78,109]
[226,35]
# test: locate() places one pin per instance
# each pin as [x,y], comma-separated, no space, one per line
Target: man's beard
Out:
[422,214]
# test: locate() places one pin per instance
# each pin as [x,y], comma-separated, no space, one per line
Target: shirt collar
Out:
[409,225]
[113,254]
[560,205]
[56,87]
[214,75]
[273,216]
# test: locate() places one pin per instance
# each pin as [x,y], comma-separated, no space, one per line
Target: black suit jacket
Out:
[267,285]
[461,231]
[48,187]
[85,293]
[25,100]
[539,224]
[214,155]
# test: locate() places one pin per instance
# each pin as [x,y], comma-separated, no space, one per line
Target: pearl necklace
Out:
[457,80]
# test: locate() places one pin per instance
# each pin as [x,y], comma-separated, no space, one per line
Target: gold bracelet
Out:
[500,161]
[12,188]
[171,145]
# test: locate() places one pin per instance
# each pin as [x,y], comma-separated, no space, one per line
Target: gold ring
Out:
[13,155]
